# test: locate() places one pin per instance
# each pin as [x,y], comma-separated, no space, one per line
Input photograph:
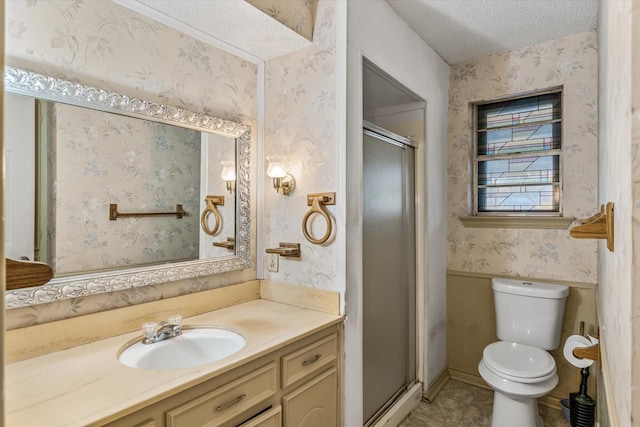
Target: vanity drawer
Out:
[271,418]
[226,402]
[309,359]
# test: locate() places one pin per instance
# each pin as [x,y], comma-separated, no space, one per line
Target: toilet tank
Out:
[529,313]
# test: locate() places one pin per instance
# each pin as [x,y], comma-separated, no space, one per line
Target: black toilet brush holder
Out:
[581,406]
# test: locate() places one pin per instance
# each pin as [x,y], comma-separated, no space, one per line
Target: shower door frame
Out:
[409,389]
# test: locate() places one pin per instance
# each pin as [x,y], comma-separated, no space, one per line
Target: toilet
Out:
[518,368]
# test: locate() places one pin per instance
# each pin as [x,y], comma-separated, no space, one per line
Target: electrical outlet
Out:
[272,262]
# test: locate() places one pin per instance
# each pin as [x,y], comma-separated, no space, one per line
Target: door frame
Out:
[353,185]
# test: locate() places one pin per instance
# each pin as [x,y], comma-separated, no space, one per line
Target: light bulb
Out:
[228,171]
[276,170]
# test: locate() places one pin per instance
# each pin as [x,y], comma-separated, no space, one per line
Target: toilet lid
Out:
[519,362]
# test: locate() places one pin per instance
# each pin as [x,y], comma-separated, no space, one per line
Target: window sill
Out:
[540,222]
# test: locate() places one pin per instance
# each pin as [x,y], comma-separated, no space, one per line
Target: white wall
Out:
[2,272]
[619,163]
[376,32]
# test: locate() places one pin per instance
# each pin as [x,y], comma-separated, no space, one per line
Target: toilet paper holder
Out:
[591,353]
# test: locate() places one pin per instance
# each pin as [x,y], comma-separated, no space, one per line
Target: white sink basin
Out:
[193,347]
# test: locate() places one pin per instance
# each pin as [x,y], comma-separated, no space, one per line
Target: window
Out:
[517,156]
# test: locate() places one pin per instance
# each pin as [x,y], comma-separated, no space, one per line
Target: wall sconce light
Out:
[283,182]
[229,175]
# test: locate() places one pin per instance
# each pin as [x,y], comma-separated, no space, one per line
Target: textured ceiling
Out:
[462,30]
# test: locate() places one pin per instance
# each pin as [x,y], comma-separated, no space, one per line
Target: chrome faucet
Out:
[154,332]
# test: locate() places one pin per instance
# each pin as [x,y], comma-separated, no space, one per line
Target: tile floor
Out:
[464,405]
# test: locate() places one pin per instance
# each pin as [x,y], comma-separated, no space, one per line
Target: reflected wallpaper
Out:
[142,166]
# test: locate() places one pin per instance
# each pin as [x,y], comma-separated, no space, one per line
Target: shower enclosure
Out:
[389,269]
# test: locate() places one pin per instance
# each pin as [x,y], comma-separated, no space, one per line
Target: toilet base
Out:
[508,412]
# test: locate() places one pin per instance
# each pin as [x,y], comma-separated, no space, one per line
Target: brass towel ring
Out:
[212,202]
[318,202]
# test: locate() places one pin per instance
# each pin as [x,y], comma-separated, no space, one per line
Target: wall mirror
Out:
[116,192]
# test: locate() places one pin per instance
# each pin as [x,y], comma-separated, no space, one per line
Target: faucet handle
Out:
[150,330]
[175,320]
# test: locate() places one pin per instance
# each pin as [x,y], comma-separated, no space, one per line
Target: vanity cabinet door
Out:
[313,404]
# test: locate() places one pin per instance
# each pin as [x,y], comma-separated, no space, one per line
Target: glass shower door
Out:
[389,351]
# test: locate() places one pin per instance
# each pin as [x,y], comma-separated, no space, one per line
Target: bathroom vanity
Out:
[295,385]
[286,374]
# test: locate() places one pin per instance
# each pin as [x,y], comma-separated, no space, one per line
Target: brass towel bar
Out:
[114,214]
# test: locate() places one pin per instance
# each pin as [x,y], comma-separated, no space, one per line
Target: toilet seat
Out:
[519,362]
[516,389]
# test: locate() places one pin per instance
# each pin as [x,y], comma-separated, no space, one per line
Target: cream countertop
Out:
[87,385]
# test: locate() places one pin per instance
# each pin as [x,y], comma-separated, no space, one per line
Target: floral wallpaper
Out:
[301,125]
[142,166]
[295,14]
[102,44]
[570,62]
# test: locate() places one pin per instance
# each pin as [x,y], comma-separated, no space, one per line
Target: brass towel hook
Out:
[286,250]
[229,244]
[212,202]
[318,201]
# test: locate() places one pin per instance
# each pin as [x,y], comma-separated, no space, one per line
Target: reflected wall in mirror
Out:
[91,149]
